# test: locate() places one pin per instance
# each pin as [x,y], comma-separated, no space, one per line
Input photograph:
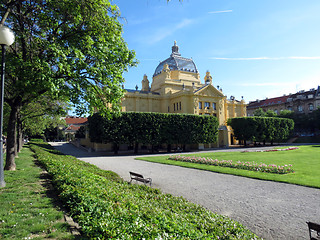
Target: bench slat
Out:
[140,178]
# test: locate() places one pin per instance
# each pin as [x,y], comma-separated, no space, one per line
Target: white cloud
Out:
[163,32]
[267,58]
[223,11]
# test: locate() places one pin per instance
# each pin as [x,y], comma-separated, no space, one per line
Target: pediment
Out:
[209,90]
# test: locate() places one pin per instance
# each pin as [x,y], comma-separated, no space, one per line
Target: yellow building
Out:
[176,88]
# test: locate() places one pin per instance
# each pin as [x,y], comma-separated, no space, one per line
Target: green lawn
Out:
[26,211]
[305,161]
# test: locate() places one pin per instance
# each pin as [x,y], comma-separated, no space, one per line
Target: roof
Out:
[72,128]
[268,102]
[176,62]
[143,92]
[75,120]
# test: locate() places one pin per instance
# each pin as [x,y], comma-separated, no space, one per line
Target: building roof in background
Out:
[268,102]
[75,120]
[281,100]
[72,128]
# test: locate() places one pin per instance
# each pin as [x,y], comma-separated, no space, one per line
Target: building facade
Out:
[176,87]
[300,102]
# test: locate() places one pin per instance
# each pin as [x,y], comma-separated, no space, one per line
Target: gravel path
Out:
[271,210]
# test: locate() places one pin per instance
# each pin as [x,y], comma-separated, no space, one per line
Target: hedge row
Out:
[106,207]
[153,128]
[262,129]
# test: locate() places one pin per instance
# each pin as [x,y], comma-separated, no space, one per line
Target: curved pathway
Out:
[271,210]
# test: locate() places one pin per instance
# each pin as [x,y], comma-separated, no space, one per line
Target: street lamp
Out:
[6,39]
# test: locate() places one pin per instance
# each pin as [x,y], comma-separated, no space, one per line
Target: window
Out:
[214,106]
[300,109]
[208,114]
[276,111]
[290,108]
[311,107]
[207,105]
[177,106]
[200,105]
[180,105]
[168,109]
[214,115]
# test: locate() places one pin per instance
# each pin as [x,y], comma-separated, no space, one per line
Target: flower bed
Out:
[251,166]
[273,150]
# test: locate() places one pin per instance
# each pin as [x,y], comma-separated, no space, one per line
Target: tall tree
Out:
[69,48]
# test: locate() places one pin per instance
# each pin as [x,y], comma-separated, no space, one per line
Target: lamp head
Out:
[6,36]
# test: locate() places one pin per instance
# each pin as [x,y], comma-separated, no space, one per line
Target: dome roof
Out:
[176,62]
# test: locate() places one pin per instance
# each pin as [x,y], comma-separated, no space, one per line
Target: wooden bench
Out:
[140,178]
[314,227]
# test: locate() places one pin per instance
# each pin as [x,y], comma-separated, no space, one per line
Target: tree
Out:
[259,113]
[69,49]
[38,116]
[261,128]
[271,113]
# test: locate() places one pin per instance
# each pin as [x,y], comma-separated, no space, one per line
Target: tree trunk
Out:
[169,148]
[19,135]
[136,147]
[115,148]
[11,139]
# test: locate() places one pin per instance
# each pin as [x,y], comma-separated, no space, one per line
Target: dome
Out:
[176,62]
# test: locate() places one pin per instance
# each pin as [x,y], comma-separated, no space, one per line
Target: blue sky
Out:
[253,48]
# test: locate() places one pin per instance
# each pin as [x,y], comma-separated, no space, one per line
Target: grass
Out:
[27,209]
[106,207]
[305,161]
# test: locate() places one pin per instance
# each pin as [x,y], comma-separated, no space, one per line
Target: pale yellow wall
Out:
[172,94]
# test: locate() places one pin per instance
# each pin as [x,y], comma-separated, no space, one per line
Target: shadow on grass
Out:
[47,147]
[53,194]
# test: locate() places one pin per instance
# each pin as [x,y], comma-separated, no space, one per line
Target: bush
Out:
[107,207]
[153,128]
[261,128]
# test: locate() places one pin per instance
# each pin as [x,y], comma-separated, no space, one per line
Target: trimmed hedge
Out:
[106,207]
[153,128]
[262,129]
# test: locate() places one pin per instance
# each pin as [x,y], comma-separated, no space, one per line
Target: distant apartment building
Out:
[300,102]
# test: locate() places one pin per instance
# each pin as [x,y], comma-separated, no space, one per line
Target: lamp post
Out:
[6,39]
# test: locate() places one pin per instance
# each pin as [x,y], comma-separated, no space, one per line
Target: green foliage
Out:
[81,132]
[153,128]
[259,113]
[105,208]
[69,49]
[261,128]
[39,116]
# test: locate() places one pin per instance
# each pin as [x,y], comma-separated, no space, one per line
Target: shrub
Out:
[107,207]
[261,128]
[153,128]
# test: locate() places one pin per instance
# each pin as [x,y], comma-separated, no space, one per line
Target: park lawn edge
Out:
[107,208]
[282,178]
[29,209]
